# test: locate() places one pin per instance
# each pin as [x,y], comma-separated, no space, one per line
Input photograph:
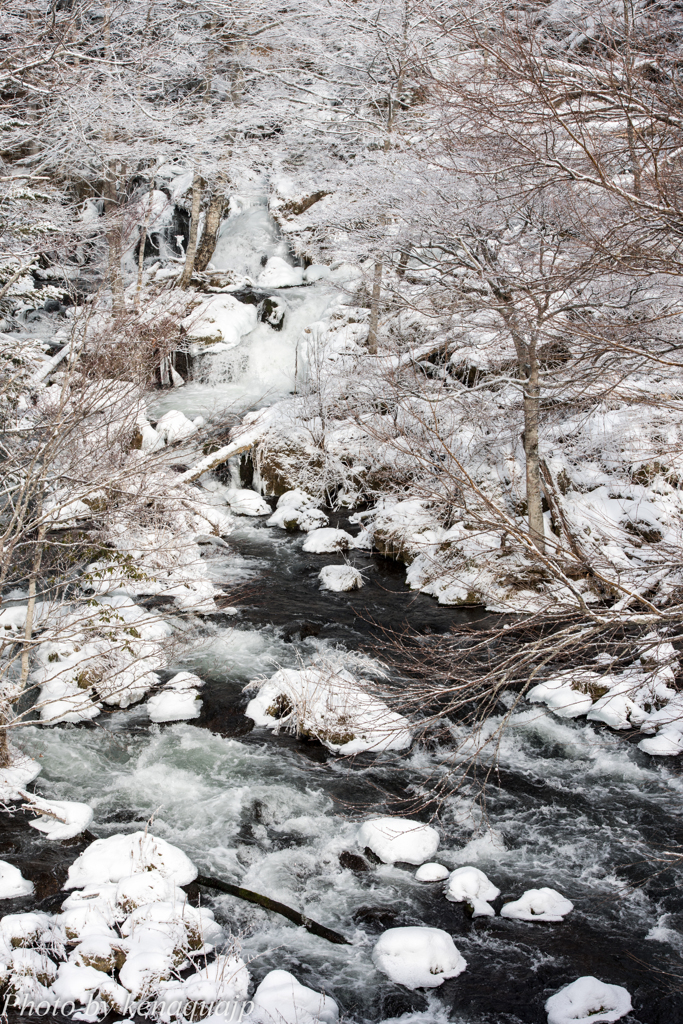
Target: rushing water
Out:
[572,806]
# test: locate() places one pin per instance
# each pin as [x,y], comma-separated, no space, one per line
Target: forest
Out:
[341,511]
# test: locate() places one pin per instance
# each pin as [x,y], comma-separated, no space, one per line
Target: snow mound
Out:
[178,701]
[297,510]
[399,839]
[277,273]
[109,860]
[561,697]
[470,885]
[244,502]
[224,980]
[221,321]
[339,578]
[59,819]
[327,540]
[431,873]
[331,706]
[588,1001]
[281,999]
[174,426]
[418,957]
[538,905]
[12,882]
[17,775]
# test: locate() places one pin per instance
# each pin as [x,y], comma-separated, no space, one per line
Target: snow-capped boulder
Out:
[471,886]
[281,999]
[178,701]
[327,540]
[588,1001]
[431,873]
[565,699]
[244,502]
[15,776]
[175,426]
[59,819]
[538,905]
[109,860]
[399,839]
[12,882]
[278,273]
[297,510]
[328,704]
[340,578]
[221,322]
[418,957]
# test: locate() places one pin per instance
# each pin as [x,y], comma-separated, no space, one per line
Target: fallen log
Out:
[216,458]
[278,908]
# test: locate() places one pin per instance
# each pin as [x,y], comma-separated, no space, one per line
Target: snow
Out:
[220,321]
[14,778]
[340,578]
[538,905]
[470,885]
[398,839]
[418,957]
[588,1001]
[174,426]
[59,819]
[277,273]
[12,882]
[281,999]
[296,510]
[246,503]
[225,980]
[328,703]
[431,873]
[109,860]
[178,701]
[320,542]
[561,697]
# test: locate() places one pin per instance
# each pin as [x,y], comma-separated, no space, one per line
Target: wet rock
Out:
[353,861]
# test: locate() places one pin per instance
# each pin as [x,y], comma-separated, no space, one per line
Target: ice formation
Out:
[418,957]
[471,886]
[399,840]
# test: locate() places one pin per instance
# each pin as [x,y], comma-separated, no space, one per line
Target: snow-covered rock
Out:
[12,882]
[225,980]
[178,701]
[109,860]
[329,704]
[340,578]
[561,697]
[297,510]
[59,819]
[277,273]
[221,322]
[244,502]
[538,905]
[470,885]
[15,776]
[588,1001]
[281,999]
[174,426]
[431,873]
[418,957]
[326,540]
[399,839]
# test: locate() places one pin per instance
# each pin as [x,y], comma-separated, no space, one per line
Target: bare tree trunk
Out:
[212,223]
[374,309]
[141,252]
[533,469]
[197,185]
[113,232]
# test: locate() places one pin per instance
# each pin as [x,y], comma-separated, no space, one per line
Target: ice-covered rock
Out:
[244,502]
[588,1001]
[175,426]
[431,873]
[538,905]
[418,957]
[178,701]
[340,578]
[297,510]
[109,860]
[471,886]
[12,882]
[281,999]
[399,839]
[326,540]
[329,704]
[59,819]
